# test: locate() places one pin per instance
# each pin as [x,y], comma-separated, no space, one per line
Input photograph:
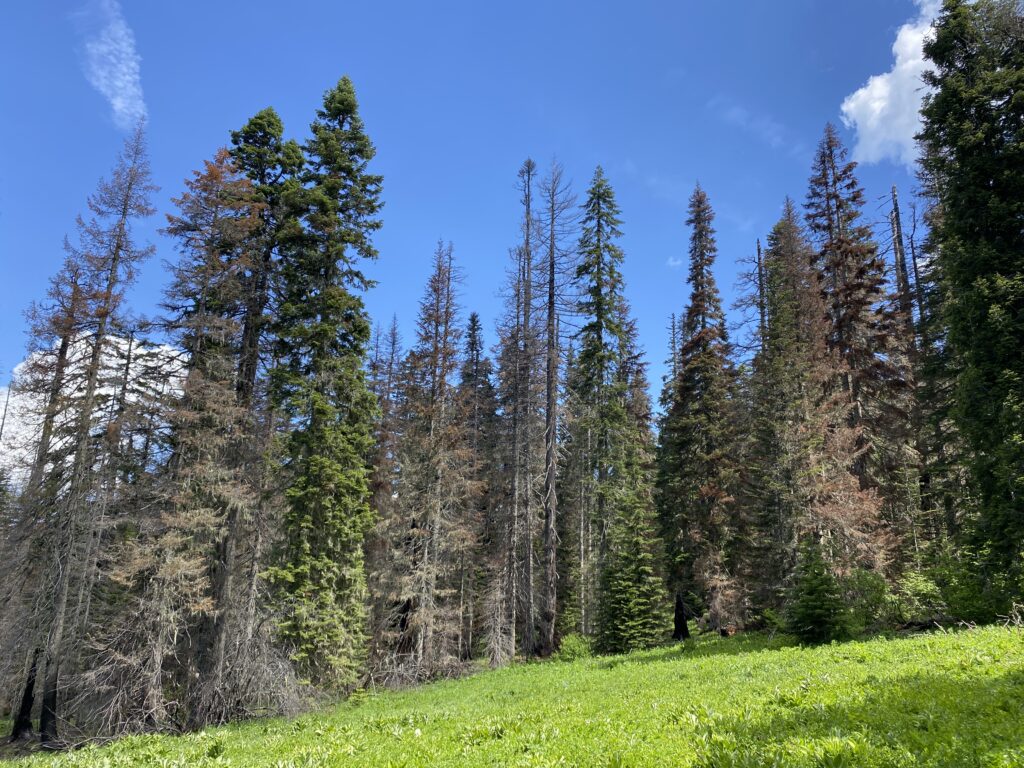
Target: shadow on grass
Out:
[700,647]
[937,720]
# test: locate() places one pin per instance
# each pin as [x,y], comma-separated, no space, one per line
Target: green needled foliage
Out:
[611,436]
[781,384]
[695,461]
[319,386]
[817,612]
[973,168]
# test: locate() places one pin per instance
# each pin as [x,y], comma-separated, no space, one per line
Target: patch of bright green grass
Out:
[930,700]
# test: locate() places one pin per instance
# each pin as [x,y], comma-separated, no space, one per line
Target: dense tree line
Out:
[259,497]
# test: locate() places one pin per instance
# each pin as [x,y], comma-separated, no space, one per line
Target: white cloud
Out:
[884,111]
[112,65]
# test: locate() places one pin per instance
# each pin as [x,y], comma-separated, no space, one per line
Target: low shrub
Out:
[575,646]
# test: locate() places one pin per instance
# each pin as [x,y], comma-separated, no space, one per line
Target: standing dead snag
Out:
[102,266]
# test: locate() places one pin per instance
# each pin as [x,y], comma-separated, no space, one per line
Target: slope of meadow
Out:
[952,699]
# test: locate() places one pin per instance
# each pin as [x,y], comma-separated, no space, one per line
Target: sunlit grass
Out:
[931,700]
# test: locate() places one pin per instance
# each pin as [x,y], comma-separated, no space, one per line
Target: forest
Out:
[264,498]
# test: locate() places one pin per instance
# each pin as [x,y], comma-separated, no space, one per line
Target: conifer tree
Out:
[558,203]
[632,590]
[802,450]
[610,434]
[478,412]
[434,512]
[272,165]
[92,286]
[319,387]
[816,612]
[861,330]
[209,497]
[790,330]
[972,168]
[695,464]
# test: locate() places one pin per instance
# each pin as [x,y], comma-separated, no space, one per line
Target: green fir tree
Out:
[319,386]
[696,470]
[611,429]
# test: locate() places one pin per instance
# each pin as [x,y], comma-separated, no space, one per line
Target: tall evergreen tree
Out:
[790,330]
[973,168]
[319,386]
[798,482]
[209,497]
[696,470]
[610,434]
[478,412]
[861,331]
[272,164]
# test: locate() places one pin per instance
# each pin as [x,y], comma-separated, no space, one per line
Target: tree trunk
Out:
[680,629]
[549,608]
[22,728]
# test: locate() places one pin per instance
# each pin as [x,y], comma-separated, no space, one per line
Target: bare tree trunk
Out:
[530,619]
[549,609]
[22,727]
[56,386]
[252,330]
[906,301]
[64,559]
[762,302]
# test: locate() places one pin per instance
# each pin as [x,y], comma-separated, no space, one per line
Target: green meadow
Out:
[939,699]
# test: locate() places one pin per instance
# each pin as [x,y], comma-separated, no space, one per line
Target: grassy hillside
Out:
[931,700]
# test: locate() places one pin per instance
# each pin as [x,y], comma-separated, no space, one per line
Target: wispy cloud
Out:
[762,127]
[111,63]
[674,262]
[885,110]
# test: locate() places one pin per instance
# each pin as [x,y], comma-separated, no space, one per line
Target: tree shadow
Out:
[933,719]
[701,646]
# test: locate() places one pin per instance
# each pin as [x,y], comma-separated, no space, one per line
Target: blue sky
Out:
[455,95]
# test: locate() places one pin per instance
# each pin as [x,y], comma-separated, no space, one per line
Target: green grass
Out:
[931,700]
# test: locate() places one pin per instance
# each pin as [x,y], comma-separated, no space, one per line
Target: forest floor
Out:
[938,699]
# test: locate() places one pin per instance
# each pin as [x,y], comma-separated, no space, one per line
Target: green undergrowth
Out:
[938,699]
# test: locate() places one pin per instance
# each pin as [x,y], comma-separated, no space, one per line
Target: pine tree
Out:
[558,203]
[695,463]
[87,313]
[319,387]
[478,412]
[861,331]
[632,591]
[790,330]
[210,498]
[611,439]
[816,611]
[435,527]
[272,165]
[802,450]
[971,166]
